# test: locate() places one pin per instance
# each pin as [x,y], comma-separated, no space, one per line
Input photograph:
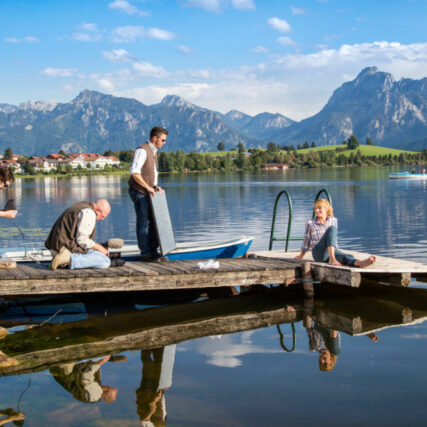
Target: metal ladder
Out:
[288,237]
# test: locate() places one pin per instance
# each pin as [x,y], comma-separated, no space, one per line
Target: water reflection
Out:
[95,333]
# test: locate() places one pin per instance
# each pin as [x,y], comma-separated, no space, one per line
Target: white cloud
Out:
[88,26]
[208,5]
[146,69]
[27,39]
[89,32]
[279,25]
[259,49]
[59,72]
[363,53]
[243,4]
[227,352]
[106,85]
[286,41]
[129,34]
[156,33]
[126,7]
[30,39]
[298,10]
[118,55]
[185,49]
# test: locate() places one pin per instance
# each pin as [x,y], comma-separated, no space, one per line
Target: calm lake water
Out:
[225,361]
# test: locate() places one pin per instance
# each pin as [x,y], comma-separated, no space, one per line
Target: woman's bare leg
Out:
[332,259]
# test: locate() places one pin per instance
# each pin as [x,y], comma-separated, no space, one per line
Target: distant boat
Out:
[233,248]
[407,175]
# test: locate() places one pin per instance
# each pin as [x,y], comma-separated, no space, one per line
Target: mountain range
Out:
[392,113]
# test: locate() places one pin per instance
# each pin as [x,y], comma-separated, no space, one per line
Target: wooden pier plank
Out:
[388,270]
[33,279]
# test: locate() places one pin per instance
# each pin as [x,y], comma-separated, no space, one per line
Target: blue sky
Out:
[251,55]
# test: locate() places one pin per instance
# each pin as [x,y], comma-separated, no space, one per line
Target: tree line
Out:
[252,159]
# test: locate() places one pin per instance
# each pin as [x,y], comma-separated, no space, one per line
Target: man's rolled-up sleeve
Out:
[85,227]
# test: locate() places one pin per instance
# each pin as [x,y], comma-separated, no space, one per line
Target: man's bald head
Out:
[102,209]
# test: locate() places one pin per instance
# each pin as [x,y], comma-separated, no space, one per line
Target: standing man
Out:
[142,184]
[71,238]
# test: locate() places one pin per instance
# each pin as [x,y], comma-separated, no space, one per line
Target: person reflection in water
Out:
[325,341]
[83,380]
[10,415]
[157,367]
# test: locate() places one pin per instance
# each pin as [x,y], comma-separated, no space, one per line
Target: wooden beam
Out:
[100,281]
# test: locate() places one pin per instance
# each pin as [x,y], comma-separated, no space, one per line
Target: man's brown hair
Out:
[6,175]
[157,131]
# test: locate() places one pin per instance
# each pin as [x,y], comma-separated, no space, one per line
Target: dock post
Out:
[307,280]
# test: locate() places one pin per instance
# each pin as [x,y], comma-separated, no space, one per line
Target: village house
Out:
[274,166]
[13,164]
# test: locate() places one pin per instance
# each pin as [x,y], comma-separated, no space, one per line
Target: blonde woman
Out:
[321,238]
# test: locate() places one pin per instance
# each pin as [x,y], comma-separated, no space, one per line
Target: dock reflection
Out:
[73,339]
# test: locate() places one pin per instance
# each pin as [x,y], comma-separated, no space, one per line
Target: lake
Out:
[246,360]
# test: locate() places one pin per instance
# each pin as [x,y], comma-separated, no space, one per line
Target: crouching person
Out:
[71,238]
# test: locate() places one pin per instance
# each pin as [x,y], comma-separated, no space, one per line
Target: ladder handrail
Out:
[294,339]
[273,223]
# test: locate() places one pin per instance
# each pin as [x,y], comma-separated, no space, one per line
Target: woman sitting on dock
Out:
[321,238]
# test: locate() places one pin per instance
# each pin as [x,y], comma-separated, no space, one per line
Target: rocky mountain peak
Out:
[38,105]
[88,97]
[175,101]
[236,115]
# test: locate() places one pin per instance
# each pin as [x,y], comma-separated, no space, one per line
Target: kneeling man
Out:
[71,238]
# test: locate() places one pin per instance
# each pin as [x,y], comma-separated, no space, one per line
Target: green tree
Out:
[313,145]
[126,156]
[369,141]
[8,154]
[272,147]
[29,168]
[62,152]
[108,153]
[221,146]
[241,148]
[352,143]
[68,169]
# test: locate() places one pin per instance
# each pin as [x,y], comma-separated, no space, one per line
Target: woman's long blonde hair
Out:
[326,204]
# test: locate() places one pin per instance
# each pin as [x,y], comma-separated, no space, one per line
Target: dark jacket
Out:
[64,231]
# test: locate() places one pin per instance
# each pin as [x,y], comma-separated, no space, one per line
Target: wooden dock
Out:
[37,279]
[264,268]
[390,271]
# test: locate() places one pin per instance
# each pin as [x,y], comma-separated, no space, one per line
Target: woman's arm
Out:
[306,243]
